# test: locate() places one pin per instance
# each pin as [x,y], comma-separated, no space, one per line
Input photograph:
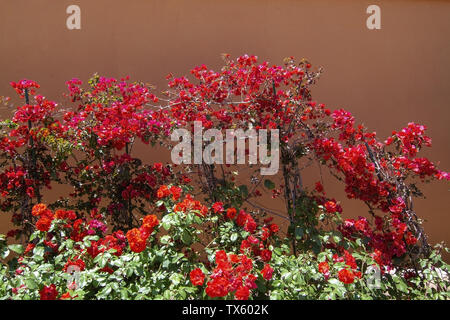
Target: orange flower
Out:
[136,240]
[150,221]
[38,209]
[324,267]
[189,204]
[43,224]
[176,192]
[231,213]
[163,192]
[66,296]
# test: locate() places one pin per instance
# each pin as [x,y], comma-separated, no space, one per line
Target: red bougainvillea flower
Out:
[267,272]
[242,293]
[274,228]
[217,287]
[29,248]
[78,263]
[163,192]
[65,214]
[176,192]
[324,268]
[346,276]
[266,255]
[38,209]
[21,85]
[332,207]
[35,113]
[319,187]
[43,224]
[136,240]
[410,239]
[67,296]
[217,207]
[189,204]
[48,292]
[242,218]
[150,222]
[197,277]
[231,213]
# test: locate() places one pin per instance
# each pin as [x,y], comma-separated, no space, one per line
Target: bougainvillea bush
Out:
[125,229]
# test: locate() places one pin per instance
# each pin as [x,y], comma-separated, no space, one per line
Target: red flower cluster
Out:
[324,268]
[115,122]
[218,207]
[35,113]
[65,214]
[364,178]
[267,272]
[243,219]
[232,274]
[114,241]
[197,277]
[45,217]
[410,138]
[346,276]
[25,84]
[388,240]
[254,246]
[48,292]
[164,192]
[189,204]
[137,238]
[76,262]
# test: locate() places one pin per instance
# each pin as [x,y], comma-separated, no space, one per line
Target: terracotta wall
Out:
[386,77]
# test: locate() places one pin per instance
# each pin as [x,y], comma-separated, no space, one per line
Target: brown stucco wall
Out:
[386,77]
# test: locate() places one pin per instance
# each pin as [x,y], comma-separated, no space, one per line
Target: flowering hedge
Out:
[133,230]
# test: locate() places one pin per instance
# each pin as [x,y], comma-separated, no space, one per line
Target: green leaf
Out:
[87,242]
[164,239]
[166,225]
[175,279]
[31,284]
[400,284]
[4,254]
[186,237]
[124,294]
[17,248]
